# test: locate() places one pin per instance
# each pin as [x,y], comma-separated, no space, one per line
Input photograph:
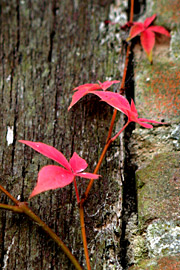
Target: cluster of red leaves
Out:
[147,35]
[115,100]
[146,32]
[52,176]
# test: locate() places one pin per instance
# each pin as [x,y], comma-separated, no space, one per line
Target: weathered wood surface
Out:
[46,49]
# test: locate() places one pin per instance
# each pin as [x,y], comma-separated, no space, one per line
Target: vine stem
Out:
[22,207]
[109,139]
[9,195]
[111,125]
[96,169]
[121,91]
[131,11]
[11,208]
[101,160]
[121,130]
[83,232]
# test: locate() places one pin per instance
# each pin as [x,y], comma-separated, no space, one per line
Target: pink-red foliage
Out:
[121,103]
[147,35]
[52,176]
[87,88]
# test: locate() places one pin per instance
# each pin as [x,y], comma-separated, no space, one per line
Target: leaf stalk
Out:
[83,232]
[22,207]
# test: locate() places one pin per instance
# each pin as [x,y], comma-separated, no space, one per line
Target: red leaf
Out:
[88,87]
[88,175]
[143,124]
[77,96]
[120,103]
[159,29]
[114,99]
[133,108]
[150,121]
[49,152]
[52,177]
[149,20]
[147,34]
[105,85]
[148,41]
[136,29]
[77,163]
[84,89]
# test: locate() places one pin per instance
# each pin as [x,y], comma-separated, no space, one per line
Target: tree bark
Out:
[47,48]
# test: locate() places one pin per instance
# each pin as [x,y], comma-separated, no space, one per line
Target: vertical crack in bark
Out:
[53,31]
[55,108]
[18,24]
[129,186]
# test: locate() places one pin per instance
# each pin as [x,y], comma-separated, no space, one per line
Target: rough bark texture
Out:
[46,49]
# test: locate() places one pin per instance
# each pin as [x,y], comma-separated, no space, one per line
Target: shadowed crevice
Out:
[129,204]
[53,31]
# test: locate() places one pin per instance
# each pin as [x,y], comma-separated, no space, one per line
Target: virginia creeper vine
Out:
[52,177]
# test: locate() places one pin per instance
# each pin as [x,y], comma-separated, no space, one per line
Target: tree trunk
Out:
[47,49]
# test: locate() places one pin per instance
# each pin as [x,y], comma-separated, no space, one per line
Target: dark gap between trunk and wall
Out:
[129,206]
